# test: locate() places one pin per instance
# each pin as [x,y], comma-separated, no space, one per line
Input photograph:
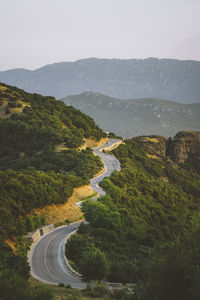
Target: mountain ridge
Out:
[176,80]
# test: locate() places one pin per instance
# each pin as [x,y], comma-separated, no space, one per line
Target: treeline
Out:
[25,189]
[21,191]
[44,121]
[145,229]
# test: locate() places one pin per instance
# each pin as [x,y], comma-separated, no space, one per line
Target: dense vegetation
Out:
[40,164]
[14,272]
[146,227]
[32,172]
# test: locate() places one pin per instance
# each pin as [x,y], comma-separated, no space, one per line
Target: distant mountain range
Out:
[128,118]
[171,79]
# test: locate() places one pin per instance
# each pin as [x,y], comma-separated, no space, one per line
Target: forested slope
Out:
[145,230]
[35,171]
[133,117]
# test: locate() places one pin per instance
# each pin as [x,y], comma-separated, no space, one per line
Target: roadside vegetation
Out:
[145,230]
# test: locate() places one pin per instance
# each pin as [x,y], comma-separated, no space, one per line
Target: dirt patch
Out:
[92,143]
[58,213]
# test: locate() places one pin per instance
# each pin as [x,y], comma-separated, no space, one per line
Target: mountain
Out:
[128,118]
[171,79]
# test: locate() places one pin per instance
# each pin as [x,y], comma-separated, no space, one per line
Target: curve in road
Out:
[110,164]
[47,260]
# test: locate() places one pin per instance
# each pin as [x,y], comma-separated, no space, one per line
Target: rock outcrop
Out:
[184,146]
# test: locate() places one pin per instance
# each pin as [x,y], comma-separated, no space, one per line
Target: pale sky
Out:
[34,33]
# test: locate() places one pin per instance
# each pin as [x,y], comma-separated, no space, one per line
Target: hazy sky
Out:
[34,33]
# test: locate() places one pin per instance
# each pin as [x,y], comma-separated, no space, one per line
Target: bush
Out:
[61,284]
[98,291]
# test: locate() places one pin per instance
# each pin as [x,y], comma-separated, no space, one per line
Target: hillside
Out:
[40,137]
[41,162]
[128,118]
[145,230]
[171,79]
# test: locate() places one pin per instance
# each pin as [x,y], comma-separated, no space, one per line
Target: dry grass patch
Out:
[13,110]
[61,147]
[11,244]
[3,88]
[153,156]
[59,213]
[152,140]
[92,143]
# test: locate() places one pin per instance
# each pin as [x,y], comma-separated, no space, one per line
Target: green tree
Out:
[94,264]
[21,230]
[29,224]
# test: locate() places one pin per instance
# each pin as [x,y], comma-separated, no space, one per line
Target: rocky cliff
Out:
[183,148]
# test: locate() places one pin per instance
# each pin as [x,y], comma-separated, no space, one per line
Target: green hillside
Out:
[133,117]
[145,230]
[34,172]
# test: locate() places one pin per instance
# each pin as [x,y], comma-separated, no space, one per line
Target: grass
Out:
[13,110]
[89,197]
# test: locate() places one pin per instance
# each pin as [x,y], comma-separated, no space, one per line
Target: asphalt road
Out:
[46,258]
[110,164]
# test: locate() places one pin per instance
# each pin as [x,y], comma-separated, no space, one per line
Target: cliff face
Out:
[184,146]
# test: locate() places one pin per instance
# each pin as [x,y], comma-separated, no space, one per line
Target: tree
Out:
[20,227]
[94,264]
[29,224]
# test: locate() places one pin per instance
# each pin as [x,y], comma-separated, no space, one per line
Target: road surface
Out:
[110,164]
[47,260]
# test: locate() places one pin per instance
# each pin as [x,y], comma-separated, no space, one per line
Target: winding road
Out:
[47,260]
